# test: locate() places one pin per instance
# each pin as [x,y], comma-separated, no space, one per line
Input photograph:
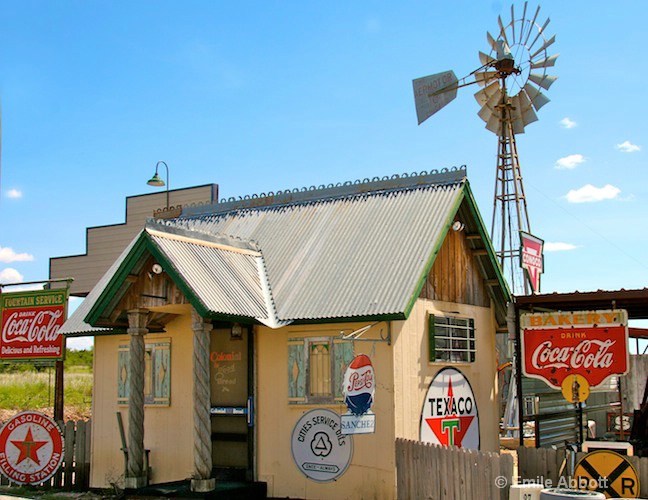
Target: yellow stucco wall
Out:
[168,430]
[413,373]
[372,472]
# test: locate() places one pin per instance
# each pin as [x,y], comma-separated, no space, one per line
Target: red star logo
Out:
[450,429]
[28,448]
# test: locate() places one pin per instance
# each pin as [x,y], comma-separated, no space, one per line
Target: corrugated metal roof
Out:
[352,256]
[342,252]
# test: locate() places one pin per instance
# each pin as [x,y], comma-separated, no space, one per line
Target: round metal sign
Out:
[449,415]
[31,448]
[319,448]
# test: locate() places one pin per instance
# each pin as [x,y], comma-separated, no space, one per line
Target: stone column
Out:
[201,480]
[136,476]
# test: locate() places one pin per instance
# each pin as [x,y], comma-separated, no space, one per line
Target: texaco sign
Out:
[31,448]
[449,416]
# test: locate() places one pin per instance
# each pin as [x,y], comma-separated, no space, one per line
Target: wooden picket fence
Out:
[544,466]
[74,473]
[436,472]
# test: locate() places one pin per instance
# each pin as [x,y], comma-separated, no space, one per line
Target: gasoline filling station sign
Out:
[31,448]
[450,416]
[319,448]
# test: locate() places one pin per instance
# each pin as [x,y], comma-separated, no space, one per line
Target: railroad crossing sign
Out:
[609,473]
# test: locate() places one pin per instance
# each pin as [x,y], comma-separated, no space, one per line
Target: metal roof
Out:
[350,251]
[347,255]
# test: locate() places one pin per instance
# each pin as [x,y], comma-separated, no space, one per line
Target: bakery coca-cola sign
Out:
[593,344]
[31,323]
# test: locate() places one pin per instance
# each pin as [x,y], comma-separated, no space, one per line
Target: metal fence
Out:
[437,472]
[74,473]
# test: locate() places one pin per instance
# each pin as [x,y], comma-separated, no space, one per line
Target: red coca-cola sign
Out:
[31,323]
[593,344]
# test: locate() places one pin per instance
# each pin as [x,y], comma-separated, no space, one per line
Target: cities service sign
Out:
[589,344]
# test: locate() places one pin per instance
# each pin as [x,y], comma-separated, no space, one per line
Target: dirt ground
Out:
[68,414]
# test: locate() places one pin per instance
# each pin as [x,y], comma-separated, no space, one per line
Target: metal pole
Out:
[518,369]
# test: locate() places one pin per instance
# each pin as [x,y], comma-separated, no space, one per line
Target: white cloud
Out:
[14,193]
[570,162]
[628,147]
[558,246]
[8,255]
[589,193]
[10,275]
[567,123]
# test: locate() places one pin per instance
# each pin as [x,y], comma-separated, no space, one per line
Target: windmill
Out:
[512,76]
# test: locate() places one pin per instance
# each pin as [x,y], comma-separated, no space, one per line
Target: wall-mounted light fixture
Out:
[156,181]
[237,332]
[458,226]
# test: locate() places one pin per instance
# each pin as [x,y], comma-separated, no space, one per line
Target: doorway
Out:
[232,414]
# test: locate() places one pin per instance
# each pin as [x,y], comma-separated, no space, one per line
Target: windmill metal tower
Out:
[512,77]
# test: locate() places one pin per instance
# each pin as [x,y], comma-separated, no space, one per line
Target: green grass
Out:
[31,390]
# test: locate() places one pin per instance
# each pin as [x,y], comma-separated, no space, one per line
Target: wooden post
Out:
[136,476]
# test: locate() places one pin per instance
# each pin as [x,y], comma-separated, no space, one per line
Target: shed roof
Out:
[350,251]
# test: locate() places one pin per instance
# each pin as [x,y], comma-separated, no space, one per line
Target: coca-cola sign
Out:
[593,344]
[31,323]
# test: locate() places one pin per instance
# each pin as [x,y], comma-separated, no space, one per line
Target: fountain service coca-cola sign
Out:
[593,344]
[31,323]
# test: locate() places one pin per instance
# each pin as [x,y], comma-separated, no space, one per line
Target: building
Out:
[220,331]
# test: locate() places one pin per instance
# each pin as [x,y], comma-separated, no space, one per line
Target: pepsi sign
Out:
[359,388]
[359,385]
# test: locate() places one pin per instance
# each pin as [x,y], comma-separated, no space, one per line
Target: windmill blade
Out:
[540,32]
[544,81]
[489,108]
[523,20]
[494,124]
[545,63]
[538,99]
[491,41]
[516,115]
[485,59]
[485,77]
[502,30]
[431,93]
[484,95]
[513,23]
[544,46]
[531,26]
[526,109]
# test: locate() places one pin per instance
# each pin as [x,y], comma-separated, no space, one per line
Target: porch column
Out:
[201,480]
[136,476]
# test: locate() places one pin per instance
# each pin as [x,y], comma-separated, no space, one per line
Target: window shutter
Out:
[123,356]
[296,371]
[162,373]
[343,353]
[431,343]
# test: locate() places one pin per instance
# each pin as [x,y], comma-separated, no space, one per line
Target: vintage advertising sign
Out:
[450,416]
[609,473]
[593,344]
[31,448]
[319,448]
[359,389]
[532,259]
[31,323]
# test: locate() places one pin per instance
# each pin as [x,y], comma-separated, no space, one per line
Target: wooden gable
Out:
[456,275]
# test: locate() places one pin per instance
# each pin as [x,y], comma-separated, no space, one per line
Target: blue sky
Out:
[270,95]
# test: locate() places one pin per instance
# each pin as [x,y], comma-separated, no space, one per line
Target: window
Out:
[316,369]
[451,339]
[157,373]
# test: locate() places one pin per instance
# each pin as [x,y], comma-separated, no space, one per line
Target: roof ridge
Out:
[338,190]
